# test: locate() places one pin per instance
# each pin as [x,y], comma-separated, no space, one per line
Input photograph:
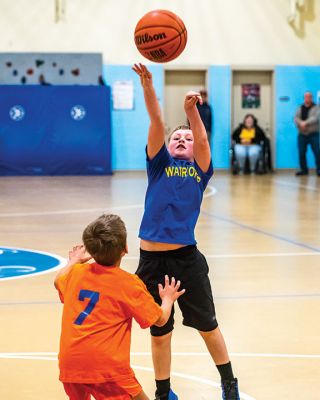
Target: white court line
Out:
[211,191]
[28,356]
[62,212]
[209,382]
[250,255]
[286,183]
[262,355]
[54,355]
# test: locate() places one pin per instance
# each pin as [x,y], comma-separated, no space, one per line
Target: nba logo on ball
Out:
[160,36]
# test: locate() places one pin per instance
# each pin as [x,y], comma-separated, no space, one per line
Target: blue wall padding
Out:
[219,88]
[290,84]
[130,127]
[47,140]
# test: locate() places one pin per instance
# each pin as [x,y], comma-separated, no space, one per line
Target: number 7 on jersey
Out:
[94,298]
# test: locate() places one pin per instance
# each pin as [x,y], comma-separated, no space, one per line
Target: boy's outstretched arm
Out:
[78,255]
[201,147]
[169,294]
[156,136]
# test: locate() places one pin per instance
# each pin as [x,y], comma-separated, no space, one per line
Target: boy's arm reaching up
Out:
[78,255]
[201,147]
[156,136]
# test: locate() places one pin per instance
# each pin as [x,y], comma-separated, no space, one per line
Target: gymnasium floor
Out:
[261,237]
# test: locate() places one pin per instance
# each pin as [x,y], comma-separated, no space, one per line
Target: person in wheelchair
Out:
[248,141]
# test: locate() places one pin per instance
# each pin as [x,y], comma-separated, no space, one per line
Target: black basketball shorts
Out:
[189,266]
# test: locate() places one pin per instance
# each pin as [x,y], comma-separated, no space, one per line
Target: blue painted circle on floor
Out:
[19,263]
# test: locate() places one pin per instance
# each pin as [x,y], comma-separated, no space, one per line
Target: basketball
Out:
[160,36]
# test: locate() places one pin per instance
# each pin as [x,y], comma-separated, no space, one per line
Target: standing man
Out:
[307,120]
[205,113]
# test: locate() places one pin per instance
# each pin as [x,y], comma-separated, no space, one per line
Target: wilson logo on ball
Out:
[146,38]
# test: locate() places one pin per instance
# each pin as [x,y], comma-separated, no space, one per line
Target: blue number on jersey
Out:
[94,298]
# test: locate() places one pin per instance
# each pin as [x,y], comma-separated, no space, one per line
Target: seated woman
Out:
[247,138]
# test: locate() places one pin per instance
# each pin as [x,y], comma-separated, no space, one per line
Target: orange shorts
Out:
[124,389]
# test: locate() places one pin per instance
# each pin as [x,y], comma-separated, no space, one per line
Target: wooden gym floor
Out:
[261,237]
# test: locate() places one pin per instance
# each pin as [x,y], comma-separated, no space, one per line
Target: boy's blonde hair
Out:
[105,239]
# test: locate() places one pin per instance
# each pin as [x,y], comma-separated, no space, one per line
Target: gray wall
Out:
[53,68]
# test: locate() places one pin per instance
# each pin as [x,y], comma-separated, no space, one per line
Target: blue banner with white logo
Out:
[55,130]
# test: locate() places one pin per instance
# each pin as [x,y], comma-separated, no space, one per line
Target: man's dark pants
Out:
[303,142]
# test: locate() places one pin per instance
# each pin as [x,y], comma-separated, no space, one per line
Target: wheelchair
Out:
[264,162]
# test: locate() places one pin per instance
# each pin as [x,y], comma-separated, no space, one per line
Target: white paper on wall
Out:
[122,95]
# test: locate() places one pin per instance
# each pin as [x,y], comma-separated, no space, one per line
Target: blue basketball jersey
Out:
[173,199]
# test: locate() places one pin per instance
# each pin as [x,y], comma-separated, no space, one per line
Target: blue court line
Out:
[261,231]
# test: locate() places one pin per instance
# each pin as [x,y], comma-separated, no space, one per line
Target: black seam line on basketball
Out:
[261,231]
[177,21]
[182,27]
[159,44]
[166,59]
[185,35]
[177,49]
[156,26]
[172,56]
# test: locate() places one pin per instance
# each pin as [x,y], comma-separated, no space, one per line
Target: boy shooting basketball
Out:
[177,178]
[100,300]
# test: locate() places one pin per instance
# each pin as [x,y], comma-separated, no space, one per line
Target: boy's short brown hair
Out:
[105,239]
[183,127]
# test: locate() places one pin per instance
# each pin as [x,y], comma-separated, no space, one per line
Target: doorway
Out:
[177,84]
[261,104]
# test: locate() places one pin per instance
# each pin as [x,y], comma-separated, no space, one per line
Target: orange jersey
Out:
[99,304]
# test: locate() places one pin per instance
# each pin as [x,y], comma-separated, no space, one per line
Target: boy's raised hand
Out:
[144,73]
[79,255]
[170,291]
[191,99]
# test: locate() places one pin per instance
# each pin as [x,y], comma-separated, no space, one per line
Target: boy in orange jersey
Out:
[100,300]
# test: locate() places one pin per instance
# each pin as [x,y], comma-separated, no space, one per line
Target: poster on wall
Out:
[250,95]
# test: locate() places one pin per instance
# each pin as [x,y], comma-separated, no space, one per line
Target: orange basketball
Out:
[160,36]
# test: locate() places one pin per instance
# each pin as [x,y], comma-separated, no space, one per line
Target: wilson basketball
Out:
[160,36]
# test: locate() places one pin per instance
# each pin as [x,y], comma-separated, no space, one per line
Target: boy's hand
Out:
[170,291]
[191,99]
[145,75]
[79,255]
